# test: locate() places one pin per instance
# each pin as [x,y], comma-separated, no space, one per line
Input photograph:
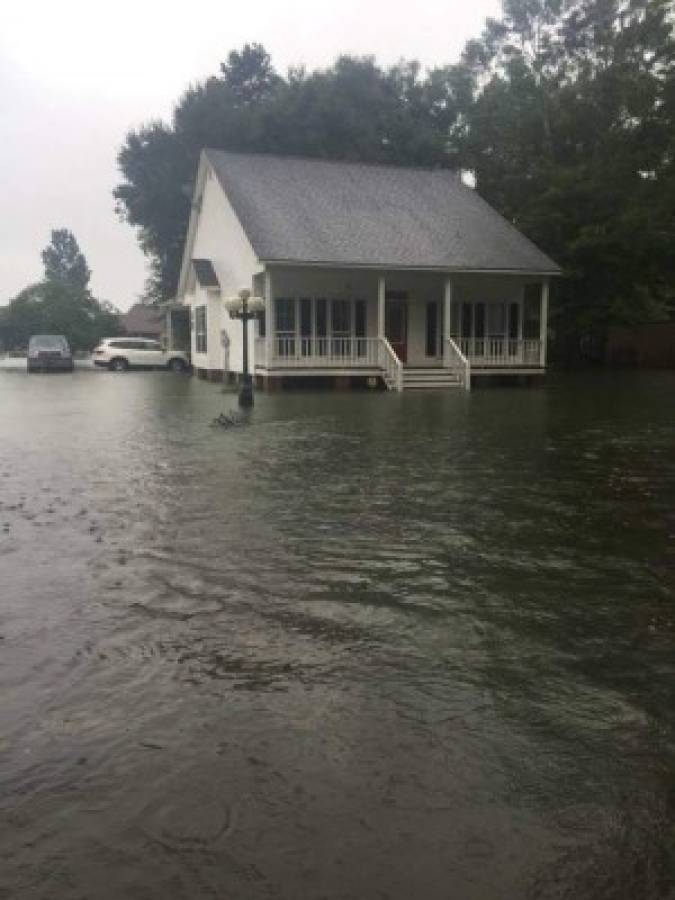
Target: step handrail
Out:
[458,363]
[390,364]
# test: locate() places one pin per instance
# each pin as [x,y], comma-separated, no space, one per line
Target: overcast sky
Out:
[75,75]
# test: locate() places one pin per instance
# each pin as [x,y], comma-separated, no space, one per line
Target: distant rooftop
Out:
[335,213]
[143,320]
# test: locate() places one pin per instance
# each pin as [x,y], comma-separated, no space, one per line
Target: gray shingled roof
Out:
[317,211]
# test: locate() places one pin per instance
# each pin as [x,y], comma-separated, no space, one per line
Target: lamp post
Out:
[245,307]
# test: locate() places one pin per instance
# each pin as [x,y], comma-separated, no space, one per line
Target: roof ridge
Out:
[339,162]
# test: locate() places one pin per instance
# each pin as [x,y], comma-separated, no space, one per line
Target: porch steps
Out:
[428,378]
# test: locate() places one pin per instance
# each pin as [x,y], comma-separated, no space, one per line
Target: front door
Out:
[396,327]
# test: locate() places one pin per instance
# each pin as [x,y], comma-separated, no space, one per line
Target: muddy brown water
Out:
[366,646]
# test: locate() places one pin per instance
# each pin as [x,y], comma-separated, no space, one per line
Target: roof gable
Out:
[322,212]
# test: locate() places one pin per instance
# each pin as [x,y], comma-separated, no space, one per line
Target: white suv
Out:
[122,353]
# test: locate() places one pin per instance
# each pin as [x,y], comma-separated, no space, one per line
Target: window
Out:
[129,345]
[466,320]
[496,319]
[285,315]
[341,327]
[321,325]
[360,326]
[514,320]
[432,328]
[479,321]
[454,319]
[200,329]
[321,318]
[306,317]
[341,318]
[306,325]
[532,311]
[259,291]
[360,318]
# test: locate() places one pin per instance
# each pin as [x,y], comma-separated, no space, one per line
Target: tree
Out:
[61,303]
[249,75]
[571,137]
[64,261]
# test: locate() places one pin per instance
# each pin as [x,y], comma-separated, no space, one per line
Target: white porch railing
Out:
[391,365]
[501,351]
[457,362]
[318,352]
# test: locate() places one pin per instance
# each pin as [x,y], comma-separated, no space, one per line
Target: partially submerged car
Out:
[49,353]
[122,353]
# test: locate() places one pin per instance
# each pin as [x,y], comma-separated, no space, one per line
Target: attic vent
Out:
[205,273]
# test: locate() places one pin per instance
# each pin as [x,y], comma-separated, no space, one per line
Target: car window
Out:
[126,345]
[48,342]
[151,345]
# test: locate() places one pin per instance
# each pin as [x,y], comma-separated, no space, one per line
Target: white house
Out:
[402,276]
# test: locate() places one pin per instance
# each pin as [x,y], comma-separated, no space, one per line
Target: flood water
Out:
[366,646]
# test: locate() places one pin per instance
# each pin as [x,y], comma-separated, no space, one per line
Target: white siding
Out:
[220,238]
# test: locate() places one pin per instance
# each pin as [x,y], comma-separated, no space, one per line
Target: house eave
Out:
[395,267]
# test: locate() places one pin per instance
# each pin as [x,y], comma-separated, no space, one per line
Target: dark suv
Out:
[49,353]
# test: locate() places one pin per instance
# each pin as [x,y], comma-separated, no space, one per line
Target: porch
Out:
[408,329]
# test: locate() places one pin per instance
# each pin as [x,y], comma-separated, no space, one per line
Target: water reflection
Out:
[369,645]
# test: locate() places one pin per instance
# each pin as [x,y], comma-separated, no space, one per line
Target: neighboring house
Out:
[144,320]
[405,276]
[649,346]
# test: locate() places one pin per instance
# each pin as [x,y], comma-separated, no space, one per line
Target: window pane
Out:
[532,311]
[466,320]
[514,320]
[306,317]
[360,318]
[432,328]
[341,319]
[200,329]
[321,318]
[496,319]
[285,315]
[479,321]
[262,324]
[454,319]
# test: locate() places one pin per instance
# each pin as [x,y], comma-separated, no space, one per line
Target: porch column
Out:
[269,319]
[447,314]
[543,323]
[381,299]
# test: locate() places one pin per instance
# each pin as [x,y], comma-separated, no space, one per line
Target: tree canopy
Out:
[61,303]
[563,109]
[64,262]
